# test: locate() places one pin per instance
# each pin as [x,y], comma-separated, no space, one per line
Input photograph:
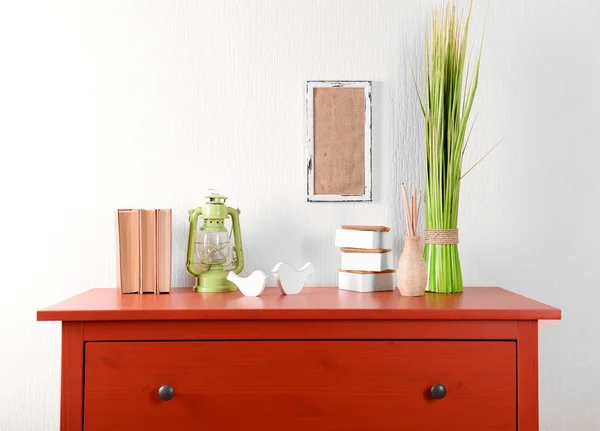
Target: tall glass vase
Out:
[443,268]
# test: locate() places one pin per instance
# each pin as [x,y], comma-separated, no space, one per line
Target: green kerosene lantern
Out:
[211,254]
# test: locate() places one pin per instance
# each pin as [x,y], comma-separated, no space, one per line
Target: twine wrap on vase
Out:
[441,236]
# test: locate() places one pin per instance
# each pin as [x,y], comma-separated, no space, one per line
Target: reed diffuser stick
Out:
[411,210]
[406,211]
[414,211]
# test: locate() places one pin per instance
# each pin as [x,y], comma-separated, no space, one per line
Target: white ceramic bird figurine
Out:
[253,285]
[289,280]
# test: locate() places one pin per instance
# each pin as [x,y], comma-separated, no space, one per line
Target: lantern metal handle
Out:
[194,214]
[237,239]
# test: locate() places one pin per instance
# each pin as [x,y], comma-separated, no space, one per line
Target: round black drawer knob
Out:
[166,393]
[438,391]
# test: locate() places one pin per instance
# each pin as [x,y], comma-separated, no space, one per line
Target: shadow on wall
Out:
[377,91]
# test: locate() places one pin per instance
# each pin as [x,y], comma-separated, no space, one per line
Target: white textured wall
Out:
[108,104]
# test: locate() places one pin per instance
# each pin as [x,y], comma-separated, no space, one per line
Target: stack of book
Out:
[367,259]
[144,250]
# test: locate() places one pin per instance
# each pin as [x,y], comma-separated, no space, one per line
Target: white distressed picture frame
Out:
[368,157]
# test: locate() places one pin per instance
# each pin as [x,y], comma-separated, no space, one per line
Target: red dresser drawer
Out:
[300,385]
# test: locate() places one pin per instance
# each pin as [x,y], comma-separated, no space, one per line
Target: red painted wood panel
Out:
[71,391]
[476,303]
[527,373]
[301,330]
[301,385]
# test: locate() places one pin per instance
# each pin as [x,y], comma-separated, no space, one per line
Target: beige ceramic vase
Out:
[411,276]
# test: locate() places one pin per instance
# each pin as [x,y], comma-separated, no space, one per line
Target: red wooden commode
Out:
[323,360]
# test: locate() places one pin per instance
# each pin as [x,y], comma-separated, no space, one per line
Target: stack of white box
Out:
[367,259]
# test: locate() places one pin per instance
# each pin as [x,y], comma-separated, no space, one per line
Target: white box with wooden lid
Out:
[366,281]
[365,237]
[356,259]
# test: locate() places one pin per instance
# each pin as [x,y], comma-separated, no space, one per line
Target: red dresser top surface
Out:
[475,303]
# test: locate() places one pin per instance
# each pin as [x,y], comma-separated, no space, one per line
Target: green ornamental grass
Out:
[446,104]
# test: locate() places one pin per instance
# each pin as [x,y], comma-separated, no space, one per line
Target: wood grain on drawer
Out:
[300,385]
